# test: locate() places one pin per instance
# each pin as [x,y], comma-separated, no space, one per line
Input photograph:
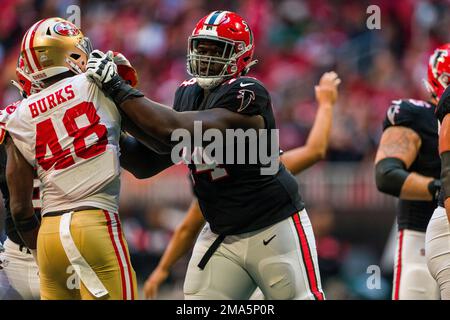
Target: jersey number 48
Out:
[47,139]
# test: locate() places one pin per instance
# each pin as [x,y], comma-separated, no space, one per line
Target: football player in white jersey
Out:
[61,131]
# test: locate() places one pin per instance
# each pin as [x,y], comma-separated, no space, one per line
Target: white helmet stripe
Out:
[208,20]
[32,65]
[220,17]
[25,53]
[215,17]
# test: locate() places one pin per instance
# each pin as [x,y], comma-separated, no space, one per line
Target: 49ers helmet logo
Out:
[66,29]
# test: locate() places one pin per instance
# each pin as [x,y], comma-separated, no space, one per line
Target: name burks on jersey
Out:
[51,101]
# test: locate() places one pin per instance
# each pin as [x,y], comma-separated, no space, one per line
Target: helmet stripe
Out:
[25,54]
[33,52]
[220,17]
[31,65]
[212,17]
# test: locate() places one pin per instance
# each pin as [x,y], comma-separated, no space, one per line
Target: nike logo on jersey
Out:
[266,242]
[245,84]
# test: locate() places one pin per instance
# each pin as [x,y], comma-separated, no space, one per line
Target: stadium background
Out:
[296,41]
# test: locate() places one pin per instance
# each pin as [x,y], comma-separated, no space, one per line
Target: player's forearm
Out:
[184,237]
[161,121]
[392,177]
[149,141]
[19,177]
[182,241]
[320,133]
[140,160]
[26,223]
[299,159]
[416,187]
[153,118]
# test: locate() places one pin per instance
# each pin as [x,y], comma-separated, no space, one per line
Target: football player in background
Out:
[69,131]
[295,160]
[258,231]
[438,236]
[19,275]
[407,166]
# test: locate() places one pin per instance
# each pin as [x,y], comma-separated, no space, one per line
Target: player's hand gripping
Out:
[101,68]
[326,90]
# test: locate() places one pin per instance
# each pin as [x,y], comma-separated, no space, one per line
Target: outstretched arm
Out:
[315,149]
[155,119]
[160,121]
[139,160]
[180,243]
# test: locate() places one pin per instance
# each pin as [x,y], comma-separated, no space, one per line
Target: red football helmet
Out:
[439,71]
[220,47]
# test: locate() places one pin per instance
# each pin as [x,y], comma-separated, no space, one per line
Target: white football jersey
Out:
[70,133]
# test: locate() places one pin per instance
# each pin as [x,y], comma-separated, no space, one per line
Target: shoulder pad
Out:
[5,113]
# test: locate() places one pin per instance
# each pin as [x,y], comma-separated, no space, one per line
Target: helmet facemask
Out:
[212,60]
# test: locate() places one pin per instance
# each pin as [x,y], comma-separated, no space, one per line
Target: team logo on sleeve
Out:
[246,96]
[392,111]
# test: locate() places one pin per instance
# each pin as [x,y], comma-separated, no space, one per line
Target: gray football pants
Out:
[280,259]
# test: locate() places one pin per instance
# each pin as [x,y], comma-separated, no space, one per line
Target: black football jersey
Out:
[419,116]
[10,228]
[237,198]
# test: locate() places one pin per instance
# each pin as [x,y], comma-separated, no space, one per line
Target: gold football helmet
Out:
[50,47]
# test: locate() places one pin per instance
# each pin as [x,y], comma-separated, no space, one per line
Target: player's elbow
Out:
[317,153]
[320,154]
[390,175]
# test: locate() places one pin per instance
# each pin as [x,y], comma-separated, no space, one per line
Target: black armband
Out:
[119,91]
[390,175]
[445,173]
[434,187]
[27,224]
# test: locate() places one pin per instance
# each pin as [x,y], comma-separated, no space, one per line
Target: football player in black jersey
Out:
[437,235]
[407,166]
[258,232]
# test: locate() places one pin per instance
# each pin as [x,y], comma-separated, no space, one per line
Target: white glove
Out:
[100,67]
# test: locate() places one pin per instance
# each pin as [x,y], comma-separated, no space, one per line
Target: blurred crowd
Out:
[296,41]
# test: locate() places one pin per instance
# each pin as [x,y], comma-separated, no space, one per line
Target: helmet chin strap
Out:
[18,86]
[247,68]
[209,83]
